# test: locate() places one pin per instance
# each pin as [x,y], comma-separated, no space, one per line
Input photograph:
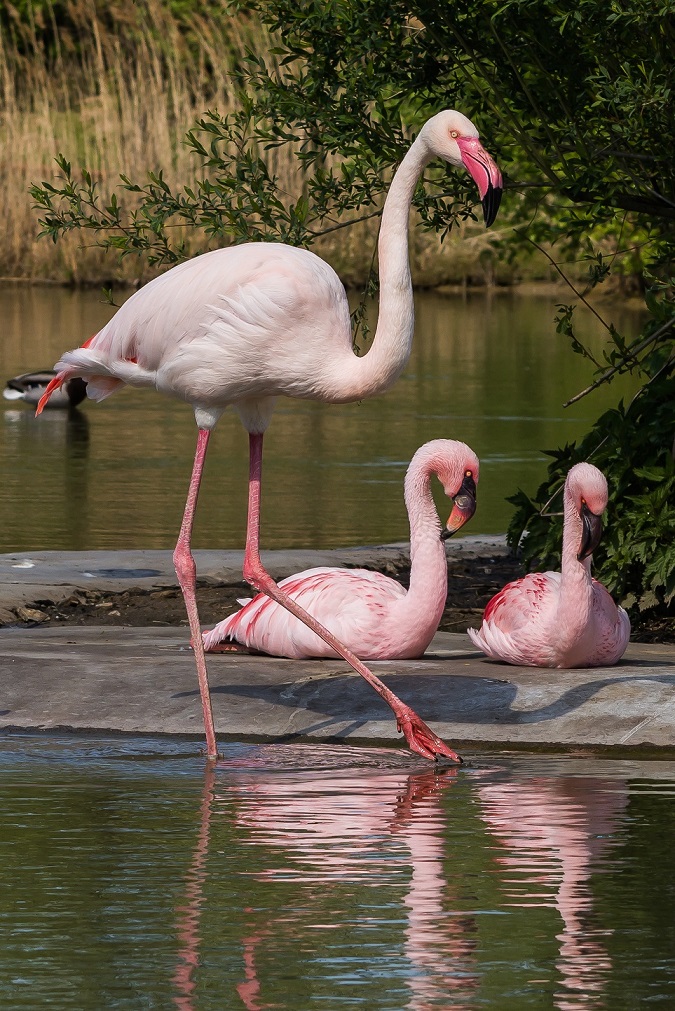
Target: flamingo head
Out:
[459,483]
[452,136]
[588,489]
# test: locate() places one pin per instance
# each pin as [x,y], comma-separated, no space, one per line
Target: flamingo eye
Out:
[468,473]
[454,134]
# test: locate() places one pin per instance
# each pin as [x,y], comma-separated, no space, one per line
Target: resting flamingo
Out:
[242,325]
[367,611]
[567,618]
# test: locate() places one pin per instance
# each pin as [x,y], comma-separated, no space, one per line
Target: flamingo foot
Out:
[421,739]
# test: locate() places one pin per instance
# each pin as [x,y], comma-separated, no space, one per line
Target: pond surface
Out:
[487,370]
[311,877]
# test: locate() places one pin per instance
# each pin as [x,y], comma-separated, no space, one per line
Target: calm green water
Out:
[488,371]
[310,877]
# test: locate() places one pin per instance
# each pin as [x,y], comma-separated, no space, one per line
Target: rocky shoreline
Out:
[122,592]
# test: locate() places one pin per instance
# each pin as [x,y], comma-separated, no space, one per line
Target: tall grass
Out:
[116,93]
[116,90]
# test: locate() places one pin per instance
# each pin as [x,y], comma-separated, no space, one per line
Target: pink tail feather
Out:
[55,384]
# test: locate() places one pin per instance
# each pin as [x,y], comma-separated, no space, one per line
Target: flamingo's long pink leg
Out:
[187,577]
[419,736]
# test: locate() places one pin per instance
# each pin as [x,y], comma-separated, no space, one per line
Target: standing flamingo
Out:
[567,618]
[367,611]
[248,323]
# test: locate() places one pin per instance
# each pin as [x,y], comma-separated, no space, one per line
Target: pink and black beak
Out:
[464,507]
[484,171]
[591,532]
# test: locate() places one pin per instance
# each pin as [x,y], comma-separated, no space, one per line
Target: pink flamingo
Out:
[367,611]
[567,618]
[248,323]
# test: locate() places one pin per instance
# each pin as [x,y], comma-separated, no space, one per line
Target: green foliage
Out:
[634,446]
[649,354]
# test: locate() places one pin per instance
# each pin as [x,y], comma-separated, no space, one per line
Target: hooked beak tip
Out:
[491,201]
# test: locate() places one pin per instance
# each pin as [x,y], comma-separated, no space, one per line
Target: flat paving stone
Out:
[143,681]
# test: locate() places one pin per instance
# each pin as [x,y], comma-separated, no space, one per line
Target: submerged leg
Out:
[187,577]
[418,735]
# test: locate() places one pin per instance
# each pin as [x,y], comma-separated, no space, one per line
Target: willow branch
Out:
[632,351]
[569,283]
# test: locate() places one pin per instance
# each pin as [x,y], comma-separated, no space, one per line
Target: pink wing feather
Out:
[349,602]
[523,600]
[613,626]
[521,626]
[515,617]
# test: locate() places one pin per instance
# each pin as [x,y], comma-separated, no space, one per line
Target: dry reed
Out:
[120,103]
[117,93]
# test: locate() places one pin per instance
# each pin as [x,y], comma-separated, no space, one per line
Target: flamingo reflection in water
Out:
[370,828]
[341,830]
[188,915]
[374,830]
[552,831]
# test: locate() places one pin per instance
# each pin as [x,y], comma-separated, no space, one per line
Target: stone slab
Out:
[143,681]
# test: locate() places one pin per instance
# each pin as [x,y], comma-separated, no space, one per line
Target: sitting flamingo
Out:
[567,618]
[369,612]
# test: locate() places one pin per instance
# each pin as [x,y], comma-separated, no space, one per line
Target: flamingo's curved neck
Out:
[576,592]
[392,342]
[428,564]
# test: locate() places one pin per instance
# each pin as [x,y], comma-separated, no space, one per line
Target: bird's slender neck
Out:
[392,247]
[390,350]
[428,564]
[576,586]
